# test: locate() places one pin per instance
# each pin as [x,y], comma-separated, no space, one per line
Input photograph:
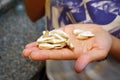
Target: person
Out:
[98,16]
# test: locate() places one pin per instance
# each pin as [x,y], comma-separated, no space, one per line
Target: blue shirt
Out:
[103,12]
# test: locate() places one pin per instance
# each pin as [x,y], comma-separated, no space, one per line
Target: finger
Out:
[81,63]
[27,51]
[62,54]
[91,56]
[33,44]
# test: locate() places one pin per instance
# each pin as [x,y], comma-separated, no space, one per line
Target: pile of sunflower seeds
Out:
[54,39]
[57,39]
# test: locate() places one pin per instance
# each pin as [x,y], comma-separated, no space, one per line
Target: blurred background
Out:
[16,30]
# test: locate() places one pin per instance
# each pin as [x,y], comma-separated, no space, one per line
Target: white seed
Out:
[87,33]
[46,46]
[41,39]
[81,37]
[54,41]
[77,31]
[58,46]
[45,33]
[69,44]
[59,32]
[81,34]
[57,36]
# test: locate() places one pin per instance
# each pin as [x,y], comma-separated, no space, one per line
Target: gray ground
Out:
[16,30]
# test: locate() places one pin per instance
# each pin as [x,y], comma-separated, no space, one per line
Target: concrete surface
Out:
[16,30]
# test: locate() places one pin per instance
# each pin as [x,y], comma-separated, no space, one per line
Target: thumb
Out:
[81,63]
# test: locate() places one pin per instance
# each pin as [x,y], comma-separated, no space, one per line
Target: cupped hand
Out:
[85,51]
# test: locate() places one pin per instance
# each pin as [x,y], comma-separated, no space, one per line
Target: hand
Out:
[85,51]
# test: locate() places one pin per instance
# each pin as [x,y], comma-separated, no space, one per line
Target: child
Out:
[81,14]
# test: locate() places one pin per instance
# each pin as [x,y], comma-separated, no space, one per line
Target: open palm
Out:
[85,51]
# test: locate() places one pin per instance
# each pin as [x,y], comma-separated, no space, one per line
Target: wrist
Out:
[115,48]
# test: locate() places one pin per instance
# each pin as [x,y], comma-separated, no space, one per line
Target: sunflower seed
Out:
[81,34]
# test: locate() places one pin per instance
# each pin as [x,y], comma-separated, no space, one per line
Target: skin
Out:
[115,49]
[85,51]
[35,9]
